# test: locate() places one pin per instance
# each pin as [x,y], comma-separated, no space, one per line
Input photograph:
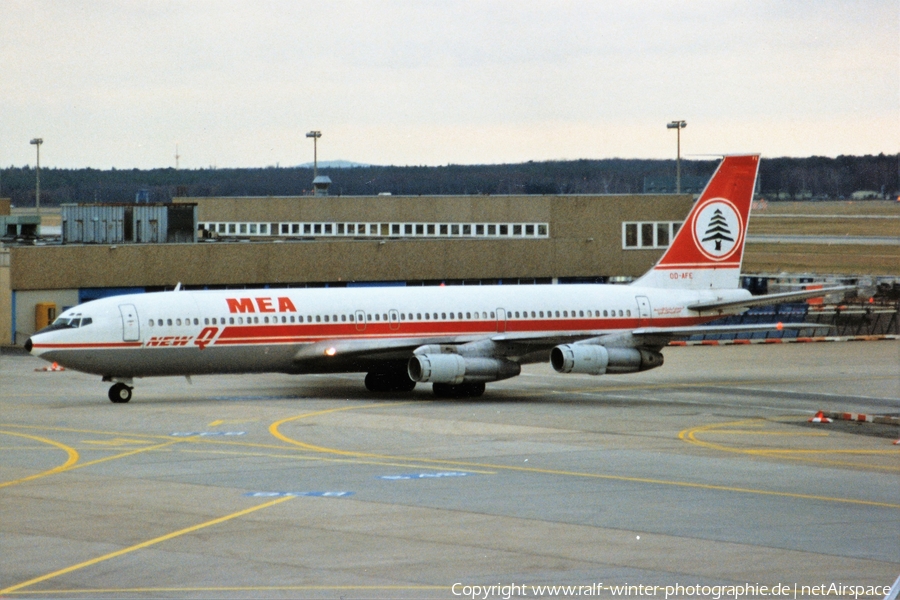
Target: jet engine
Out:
[594,359]
[454,369]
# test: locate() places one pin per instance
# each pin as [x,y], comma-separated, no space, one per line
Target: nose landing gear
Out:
[120,393]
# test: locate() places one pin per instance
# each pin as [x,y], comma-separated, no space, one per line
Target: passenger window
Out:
[620,314]
[541,314]
[419,316]
[629,312]
[350,317]
[468,316]
[605,313]
[427,316]
[196,321]
[532,315]
[318,318]
[580,313]
[231,320]
[151,322]
[334,318]
[169,322]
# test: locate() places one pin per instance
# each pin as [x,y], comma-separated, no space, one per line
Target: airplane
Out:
[456,338]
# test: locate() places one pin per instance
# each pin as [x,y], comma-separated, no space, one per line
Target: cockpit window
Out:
[71,322]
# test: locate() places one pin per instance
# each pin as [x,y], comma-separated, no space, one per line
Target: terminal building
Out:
[338,241]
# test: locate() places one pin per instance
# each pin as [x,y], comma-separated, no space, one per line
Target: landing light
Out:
[331,351]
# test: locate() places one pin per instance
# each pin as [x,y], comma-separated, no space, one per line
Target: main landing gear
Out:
[120,393]
[389,381]
[459,390]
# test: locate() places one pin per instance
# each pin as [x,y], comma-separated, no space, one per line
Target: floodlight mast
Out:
[679,125]
[315,135]
[36,142]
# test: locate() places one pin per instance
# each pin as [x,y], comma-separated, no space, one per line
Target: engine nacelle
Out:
[594,359]
[454,369]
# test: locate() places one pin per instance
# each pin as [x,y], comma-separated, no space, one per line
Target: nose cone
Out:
[28,345]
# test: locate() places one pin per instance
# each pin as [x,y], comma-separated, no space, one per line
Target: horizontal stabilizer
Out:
[768,299]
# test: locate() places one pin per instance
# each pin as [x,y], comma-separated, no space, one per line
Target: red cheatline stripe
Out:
[723,265]
[90,345]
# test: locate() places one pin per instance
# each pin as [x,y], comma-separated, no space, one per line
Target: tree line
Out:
[779,179]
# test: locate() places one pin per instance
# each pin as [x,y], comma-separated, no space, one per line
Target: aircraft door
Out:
[360,320]
[131,327]
[643,310]
[394,316]
[501,320]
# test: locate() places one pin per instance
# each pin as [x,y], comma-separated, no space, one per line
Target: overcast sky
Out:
[238,84]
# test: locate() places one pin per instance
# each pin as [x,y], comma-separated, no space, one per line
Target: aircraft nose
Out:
[28,345]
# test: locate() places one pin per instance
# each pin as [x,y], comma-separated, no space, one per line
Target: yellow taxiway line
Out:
[154,541]
[274,429]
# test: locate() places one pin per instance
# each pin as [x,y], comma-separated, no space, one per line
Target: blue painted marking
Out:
[205,433]
[425,475]
[291,494]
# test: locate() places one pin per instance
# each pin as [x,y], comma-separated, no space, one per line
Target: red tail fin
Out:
[708,249]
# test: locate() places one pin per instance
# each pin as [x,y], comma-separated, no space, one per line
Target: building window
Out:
[648,234]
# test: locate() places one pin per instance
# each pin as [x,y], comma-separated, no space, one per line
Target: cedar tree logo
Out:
[718,229]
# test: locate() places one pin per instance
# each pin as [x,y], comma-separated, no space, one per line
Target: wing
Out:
[524,347]
[714,306]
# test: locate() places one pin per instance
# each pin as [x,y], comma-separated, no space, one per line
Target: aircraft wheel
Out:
[460,390]
[389,382]
[120,393]
[476,390]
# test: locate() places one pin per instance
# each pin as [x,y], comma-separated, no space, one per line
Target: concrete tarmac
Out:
[703,472]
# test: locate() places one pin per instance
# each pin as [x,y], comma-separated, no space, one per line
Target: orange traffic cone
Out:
[820,418]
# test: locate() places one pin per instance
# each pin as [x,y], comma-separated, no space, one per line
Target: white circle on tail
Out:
[718,229]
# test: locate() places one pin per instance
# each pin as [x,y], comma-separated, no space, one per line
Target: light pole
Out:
[315,135]
[37,187]
[679,125]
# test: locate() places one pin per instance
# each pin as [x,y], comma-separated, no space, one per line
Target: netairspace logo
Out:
[713,592]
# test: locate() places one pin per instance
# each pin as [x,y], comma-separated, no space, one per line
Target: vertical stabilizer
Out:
[708,249]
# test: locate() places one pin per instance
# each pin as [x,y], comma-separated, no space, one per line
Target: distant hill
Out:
[334,164]
[810,178]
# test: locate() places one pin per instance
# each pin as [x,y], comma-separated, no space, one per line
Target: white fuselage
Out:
[267,330]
